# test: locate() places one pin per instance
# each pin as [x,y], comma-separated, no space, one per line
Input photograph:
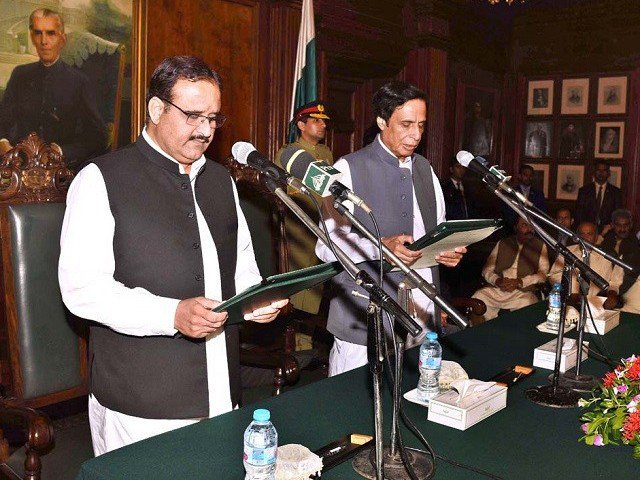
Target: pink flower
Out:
[585,426]
[622,388]
[598,441]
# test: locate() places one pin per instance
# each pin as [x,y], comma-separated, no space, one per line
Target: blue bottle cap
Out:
[432,335]
[557,285]
[261,415]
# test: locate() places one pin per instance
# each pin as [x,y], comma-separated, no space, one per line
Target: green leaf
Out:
[589,439]
[636,452]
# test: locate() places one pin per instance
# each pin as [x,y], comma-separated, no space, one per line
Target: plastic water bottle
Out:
[555,304]
[430,360]
[260,447]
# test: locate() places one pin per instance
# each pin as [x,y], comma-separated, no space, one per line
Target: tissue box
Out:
[611,319]
[545,356]
[443,408]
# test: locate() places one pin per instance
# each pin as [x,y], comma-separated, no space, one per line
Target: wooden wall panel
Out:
[225,34]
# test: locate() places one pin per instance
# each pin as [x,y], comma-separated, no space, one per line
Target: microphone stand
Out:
[575,381]
[379,300]
[420,462]
[553,395]
[413,277]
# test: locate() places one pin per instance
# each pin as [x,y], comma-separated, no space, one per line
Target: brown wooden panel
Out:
[224,33]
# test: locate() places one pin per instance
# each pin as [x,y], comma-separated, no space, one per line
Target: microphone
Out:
[493,176]
[246,154]
[320,177]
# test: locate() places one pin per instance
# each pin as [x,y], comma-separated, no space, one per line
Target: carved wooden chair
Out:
[42,350]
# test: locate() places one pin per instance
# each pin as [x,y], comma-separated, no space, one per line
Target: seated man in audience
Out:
[564,218]
[603,267]
[621,241]
[514,268]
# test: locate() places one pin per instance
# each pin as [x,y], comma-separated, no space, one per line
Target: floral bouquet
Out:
[615,409]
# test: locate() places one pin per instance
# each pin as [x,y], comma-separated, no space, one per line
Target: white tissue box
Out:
[444,410]
[611,319]
[545,355]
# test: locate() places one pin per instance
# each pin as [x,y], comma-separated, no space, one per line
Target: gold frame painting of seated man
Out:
[62,71]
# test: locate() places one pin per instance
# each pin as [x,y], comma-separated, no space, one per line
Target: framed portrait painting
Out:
[540,97]
[574,134]
[568,181]
[615,177]
[476,113]
[612,95]
[540,180]
[538,138]
[575,96]
[102,40]
[609,141]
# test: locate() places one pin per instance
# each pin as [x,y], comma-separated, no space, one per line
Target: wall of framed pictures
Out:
[569,123]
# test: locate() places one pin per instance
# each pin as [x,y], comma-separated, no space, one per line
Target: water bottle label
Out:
[429,362]
[555,301]
[259,456]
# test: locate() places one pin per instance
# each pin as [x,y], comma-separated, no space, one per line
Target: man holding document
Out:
[153,239]
[405,196]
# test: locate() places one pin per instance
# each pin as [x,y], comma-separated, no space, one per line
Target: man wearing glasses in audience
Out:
[153,239]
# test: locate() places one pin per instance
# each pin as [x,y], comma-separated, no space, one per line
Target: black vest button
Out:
[403,177]
[185,186]
[198,278]
[404,214]
[196,245]
[191,215]
[403,196]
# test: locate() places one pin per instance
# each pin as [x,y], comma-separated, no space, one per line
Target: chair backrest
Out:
[42,348]
[103,62]
[265,215]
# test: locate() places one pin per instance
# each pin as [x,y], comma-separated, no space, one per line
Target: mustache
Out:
[204,138]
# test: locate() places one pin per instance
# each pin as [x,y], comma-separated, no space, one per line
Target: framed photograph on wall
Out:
[568,181]
[612,95]
[573,138]
[540,179]
[616,176]
[476,113]
[538,138]
[609,140]
[575,96]
[540,97]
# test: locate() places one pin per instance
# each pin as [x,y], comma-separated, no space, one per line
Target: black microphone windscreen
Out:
[296,160]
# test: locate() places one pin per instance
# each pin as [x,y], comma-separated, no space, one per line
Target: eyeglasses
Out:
[195,119]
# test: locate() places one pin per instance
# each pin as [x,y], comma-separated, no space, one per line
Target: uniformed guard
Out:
[311,126]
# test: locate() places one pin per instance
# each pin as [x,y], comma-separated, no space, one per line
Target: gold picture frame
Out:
[540,97]
[609,140]
[612,95]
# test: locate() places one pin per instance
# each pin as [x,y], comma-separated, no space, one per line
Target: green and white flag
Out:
[305,88]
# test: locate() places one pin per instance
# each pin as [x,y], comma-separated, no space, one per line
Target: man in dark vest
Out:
[514,268]
[405,195]
[153,239]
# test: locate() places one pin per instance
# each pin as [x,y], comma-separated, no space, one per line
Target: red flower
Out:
[634,371]
[608,379]
[631,427]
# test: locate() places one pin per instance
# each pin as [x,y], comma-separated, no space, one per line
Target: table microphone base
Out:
[550,396]
[365,461]
[579,383]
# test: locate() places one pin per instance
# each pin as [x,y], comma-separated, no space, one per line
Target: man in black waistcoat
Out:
[153,239]
[51,98]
